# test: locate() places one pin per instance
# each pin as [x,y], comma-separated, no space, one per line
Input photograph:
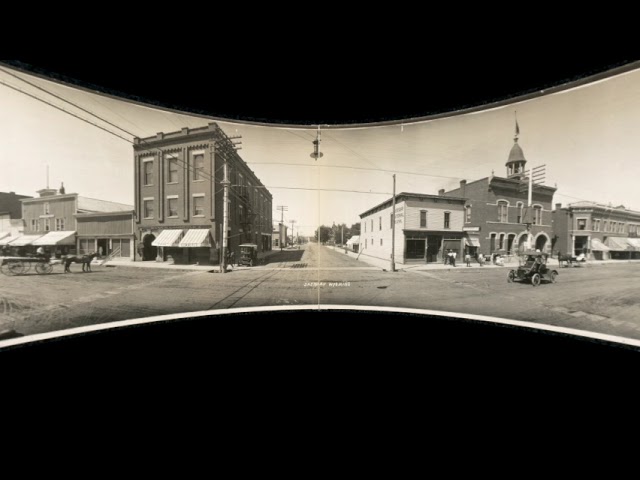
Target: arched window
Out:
[467,215]
[503,211]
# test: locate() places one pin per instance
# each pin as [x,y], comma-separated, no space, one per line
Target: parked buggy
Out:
[21,265]
[533,268]
[248,254]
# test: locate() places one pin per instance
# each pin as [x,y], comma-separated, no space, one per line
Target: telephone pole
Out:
[225,219]
[282,208]
[393,227]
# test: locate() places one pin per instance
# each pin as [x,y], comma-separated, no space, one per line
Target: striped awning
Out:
[198,237]
[635,243]
[168,238]
[618,244]
[24,240]
[472,240]
[56,238]
[598,245]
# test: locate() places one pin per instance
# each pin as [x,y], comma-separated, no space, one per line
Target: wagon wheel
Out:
[4,268]
[511,277]
[17,267]
[535,279]
[44,268]
[552,277]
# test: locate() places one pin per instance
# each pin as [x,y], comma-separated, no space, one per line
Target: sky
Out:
[587,138]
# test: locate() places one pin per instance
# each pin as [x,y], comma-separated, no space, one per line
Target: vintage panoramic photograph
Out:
[113,210]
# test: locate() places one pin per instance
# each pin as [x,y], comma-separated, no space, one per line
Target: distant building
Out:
[68,223]
[11,224]
[497,216]
[426,226]
[354,243]
[279,236]
[179,197]
[599,231]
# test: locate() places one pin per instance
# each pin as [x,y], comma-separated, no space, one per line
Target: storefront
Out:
[23,245]
[599,250]
[167,244]
[109,234]
[58,243]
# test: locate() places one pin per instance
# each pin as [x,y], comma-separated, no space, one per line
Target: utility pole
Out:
[225,218]
[292,222]
[282,208]
[393,228]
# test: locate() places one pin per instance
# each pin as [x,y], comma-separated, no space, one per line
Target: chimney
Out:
[185,130]
[558,206]
[463,184]
[441,192]
[159,136]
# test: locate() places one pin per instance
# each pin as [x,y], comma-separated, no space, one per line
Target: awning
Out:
[598,245]
[635,243]
[56,238]
[4,234]
[472,240]
[196,238]
[618,244]
[24,240]
[5,240]
[167,238]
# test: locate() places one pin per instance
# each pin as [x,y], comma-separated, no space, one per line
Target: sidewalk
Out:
[386,264]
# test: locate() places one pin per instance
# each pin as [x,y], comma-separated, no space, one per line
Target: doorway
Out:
[433,247]
[149,252]
[103,247]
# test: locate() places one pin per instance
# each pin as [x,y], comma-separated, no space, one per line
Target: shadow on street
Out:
[284,256]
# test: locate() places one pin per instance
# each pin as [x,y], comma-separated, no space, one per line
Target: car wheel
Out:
[512,276]
[535,279]
[553,276]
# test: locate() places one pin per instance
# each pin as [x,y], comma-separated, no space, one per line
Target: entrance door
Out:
[415,249]
[103,247]
[150,252]
[433,247]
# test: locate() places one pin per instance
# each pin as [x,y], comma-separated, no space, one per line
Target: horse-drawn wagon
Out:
[21,265]
[533,268]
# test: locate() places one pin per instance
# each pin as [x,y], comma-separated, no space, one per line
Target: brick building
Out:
[599,231]
[497,217]
[179,197]
[426,226]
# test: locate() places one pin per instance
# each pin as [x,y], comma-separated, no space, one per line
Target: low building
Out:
[68,223]
[279,236]
[11,224]
[426,227]
[354,243]
[599,231]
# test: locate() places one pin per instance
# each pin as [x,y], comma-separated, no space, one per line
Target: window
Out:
[537,215]
[59,224]
[365,227]
[519,207]
[172,206]
[423,219]
[241,184]
[148,208]
[380,242]
[596,225]
[379,223]
[582,223]
[501,242]
[467,214]
[35,225]
[447,218]
[86,246]
[605,226]
[612,227]
[503,212]
[198,166]
[365,243]
[47,225]
[46,208]
[172,177]
[148,172]
[198,206]
[240,213]
[372,224]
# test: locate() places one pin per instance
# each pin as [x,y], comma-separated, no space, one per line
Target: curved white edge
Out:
[362,308]
[492,105]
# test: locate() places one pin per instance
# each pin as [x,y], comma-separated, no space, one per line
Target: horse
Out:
[85,260]
[567,259]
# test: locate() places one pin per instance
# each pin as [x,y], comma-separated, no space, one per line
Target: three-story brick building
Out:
[179,197]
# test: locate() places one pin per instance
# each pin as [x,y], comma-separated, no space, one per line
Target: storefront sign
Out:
[470,229]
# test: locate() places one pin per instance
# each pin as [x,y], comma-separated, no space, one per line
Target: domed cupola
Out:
[516,162]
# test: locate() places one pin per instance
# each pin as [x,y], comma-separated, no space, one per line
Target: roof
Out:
[516,154]
[407,195]
[588,204]
[95,205]
[354,239]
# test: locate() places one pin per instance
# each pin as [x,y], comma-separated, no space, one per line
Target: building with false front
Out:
[426,227]
[497,216]
[601,232]
[179,197]
[68,223]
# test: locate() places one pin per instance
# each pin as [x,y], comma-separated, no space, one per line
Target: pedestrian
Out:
[480,258]
[453,258]
[447,256]
[467,259]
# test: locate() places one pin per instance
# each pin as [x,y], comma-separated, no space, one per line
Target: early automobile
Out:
[248,254]
[533,268]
